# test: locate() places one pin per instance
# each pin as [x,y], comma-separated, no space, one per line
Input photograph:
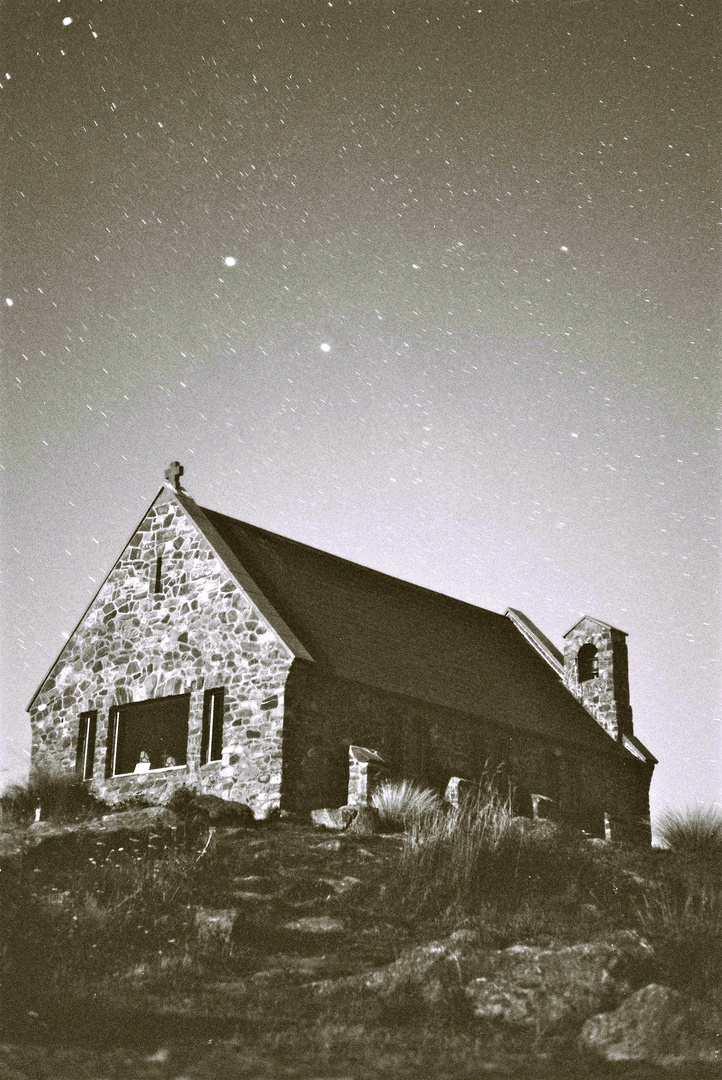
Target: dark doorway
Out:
[155,730]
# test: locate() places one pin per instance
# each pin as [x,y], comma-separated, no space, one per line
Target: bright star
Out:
[9,301]
[325,347]
[563,248]
[230,260]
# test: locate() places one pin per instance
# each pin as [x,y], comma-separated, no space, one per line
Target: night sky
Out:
[428,285]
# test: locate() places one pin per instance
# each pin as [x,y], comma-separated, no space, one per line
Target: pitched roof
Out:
[372,628]
[598,622]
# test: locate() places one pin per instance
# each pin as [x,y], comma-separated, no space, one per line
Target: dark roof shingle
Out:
[370,627]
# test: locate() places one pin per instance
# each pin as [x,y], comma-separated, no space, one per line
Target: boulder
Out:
[315,924]
[529,986]
[214,924]
[357,820]
[366,822]
[139,822]
[336,818]
[428,974]
[457,790]
[655,1024]
[546,989]
[212,810]
[534,829]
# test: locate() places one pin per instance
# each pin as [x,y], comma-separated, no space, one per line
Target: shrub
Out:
[401,804]
[696,830]
[61,796]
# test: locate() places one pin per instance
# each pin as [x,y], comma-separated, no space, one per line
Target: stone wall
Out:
[606,695]
[200,631]
[325,714]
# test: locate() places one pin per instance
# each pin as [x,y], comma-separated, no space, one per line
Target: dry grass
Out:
[696,830]
[88,925]
[448,853]
[60,796]
[403,804]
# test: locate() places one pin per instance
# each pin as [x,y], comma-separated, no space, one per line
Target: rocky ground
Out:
[280,950]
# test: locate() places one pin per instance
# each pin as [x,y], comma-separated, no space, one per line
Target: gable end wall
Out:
[202,631]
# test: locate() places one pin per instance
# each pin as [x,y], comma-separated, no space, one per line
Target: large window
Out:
[148,735]
[85,751]
[212,732]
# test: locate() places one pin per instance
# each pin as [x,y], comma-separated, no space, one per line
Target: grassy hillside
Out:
[172,946]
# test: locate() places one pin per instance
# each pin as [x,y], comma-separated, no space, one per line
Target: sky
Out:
[432,286]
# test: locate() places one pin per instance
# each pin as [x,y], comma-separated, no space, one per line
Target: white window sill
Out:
[165,768]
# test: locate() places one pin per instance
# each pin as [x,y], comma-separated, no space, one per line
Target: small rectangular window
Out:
[85,753]
[212,731]
[157,576]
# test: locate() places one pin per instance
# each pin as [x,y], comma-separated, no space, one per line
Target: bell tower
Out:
[596,670]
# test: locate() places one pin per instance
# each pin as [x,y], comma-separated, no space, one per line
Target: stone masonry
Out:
[194,604]
[606,695]
[324,715]
[200,631]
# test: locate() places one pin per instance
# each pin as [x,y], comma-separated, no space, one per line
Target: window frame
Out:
[211,748]
[115,720]
[85,748]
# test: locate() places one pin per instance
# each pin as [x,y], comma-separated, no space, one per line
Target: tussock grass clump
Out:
[458,863]
[402,804]
[61,796]
[694,831]
[450,853]
[680,914]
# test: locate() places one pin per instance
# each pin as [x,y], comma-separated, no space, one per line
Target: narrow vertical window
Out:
[112,746]
[212,730]
[85,752]
[158,575]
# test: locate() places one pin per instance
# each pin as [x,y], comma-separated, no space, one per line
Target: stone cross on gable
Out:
[173,474]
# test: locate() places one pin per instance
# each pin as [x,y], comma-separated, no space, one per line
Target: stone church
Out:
[224,657]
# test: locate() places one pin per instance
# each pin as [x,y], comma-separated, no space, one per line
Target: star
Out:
[230,260]
[325,347]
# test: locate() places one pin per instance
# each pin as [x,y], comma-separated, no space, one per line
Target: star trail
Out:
[432,286]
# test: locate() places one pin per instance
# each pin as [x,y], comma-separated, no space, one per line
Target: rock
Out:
[328,845]
[336,818]
[315,924]
[528,986]
[524,986]
[656,1024]
[457,790]
[366,822]
[534,828]
[149,819]
[211,810]
[429,974]
[341,885]
[281,966]
[215,924]
[136,819]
